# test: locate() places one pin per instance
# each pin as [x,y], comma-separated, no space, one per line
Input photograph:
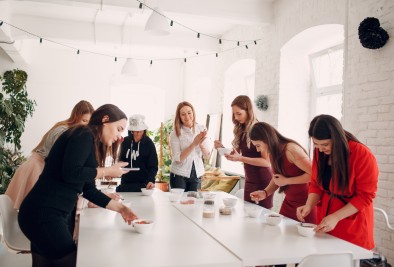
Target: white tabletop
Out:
[105,240]
[258,243]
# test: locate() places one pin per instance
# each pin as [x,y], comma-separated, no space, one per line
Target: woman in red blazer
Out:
[343,184]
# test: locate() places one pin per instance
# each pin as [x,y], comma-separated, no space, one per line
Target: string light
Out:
[246,46]
[78,51]
[140,6]
[238,43]
[172,23]
[198,35]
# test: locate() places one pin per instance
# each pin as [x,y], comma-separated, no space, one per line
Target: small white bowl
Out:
[229,202]
[253,211]
[147,192]
[174,197]
[143,226]
[306,229]
[273,218]
[177,190]
[224,151]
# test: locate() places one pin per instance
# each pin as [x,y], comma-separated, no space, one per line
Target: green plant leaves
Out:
[15,107]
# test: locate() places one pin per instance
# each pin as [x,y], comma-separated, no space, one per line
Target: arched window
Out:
[239,80]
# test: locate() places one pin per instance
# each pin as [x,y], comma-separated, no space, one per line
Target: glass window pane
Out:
[330,104]
[328,68]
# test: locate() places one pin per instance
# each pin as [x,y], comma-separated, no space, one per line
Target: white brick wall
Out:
[369,90]
[369,81]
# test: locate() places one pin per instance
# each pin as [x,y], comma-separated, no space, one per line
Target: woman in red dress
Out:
[256,164]
[344,183]
[291,166]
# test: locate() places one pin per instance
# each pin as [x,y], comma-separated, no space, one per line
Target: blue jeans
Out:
[192,183]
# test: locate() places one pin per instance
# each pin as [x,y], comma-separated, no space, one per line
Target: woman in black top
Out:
[139,151]
[71,168]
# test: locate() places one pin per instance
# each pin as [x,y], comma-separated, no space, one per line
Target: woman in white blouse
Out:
[189,143]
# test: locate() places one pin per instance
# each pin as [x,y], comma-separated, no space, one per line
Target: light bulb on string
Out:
[116,59]
[217,54]
[246,46]
[40,40]
[1,23]
[198,35]
[255,42]
[140,7]
[78,52]
[220,41]
[238,43]
[172,23]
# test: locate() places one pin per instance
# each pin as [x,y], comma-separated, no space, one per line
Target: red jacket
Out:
[359,227]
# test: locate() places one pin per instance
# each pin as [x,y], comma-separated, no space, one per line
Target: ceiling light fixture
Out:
[130,68]
[157,24]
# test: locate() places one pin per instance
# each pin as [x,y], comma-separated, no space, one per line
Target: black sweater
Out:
[146,161]
[70,169]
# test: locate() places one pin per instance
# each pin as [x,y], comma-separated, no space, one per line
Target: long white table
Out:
[106,240]
[182,237]
[257,243]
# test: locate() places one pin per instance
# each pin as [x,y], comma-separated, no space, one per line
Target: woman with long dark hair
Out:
[74,162]
[344,183]
[291,166]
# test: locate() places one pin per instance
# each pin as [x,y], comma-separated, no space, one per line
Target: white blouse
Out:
[178,144]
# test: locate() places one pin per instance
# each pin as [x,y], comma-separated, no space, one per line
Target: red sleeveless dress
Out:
[256,177]
[295,194]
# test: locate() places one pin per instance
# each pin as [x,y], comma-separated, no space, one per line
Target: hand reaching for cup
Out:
[259,195]
[217,144]
[150,185]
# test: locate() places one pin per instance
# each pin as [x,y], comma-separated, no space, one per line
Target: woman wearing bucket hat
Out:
[139,151]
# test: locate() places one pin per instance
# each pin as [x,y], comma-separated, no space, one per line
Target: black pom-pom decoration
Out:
[371,35]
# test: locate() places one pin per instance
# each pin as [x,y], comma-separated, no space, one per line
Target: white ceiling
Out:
[116,27]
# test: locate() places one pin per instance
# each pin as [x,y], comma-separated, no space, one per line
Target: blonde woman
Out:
[27,174]
[189,143]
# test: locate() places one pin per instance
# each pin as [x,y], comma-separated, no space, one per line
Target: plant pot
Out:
[163,186]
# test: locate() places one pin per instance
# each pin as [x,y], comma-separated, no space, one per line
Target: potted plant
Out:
[161,138]
[15,107]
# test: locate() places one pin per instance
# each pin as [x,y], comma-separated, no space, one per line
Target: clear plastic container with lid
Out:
[209,206]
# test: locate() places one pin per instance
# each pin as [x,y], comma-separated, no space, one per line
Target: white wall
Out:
[59,78]
[369,105]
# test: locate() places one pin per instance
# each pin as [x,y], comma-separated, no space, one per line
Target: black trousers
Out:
[130,187]
[192,183]
[50,232]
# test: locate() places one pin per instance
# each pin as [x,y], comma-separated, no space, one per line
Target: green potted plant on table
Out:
[15,107]
[161,138]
